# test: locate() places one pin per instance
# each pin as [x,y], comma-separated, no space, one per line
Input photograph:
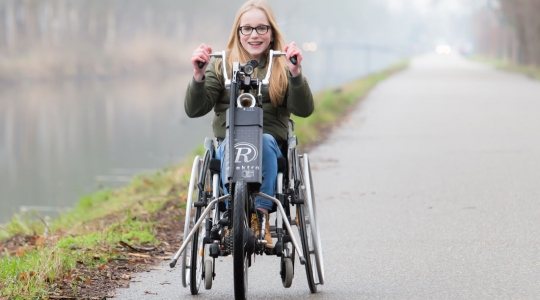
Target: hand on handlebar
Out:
[293,51]
[199,60]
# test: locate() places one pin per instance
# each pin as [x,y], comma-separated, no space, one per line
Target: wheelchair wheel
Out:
[199,182]
[307,245]
[240,256]
[197,257]
[311,225]
[188,225]
[287,271]
[208,274]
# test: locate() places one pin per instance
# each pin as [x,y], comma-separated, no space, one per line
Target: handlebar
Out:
[294,61]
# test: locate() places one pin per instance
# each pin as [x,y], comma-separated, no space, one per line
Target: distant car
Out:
[443,49]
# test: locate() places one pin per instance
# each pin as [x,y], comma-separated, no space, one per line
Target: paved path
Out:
[430,190]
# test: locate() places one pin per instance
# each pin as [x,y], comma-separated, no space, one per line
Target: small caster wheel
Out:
[208,274]
[287,272]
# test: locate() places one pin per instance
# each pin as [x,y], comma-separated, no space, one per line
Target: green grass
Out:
[31,275]
[531,71]
[85,226]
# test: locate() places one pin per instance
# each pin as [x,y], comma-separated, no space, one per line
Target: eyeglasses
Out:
[247,30]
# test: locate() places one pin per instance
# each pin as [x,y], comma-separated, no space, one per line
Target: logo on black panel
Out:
[245,153]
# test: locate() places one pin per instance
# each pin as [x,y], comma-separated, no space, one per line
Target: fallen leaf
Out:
[32,240]
[40,240]
[149,293]
[23,276]
[139,255]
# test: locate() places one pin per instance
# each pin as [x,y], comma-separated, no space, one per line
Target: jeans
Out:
[270,154]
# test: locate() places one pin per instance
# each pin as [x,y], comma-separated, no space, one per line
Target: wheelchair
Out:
[213,229]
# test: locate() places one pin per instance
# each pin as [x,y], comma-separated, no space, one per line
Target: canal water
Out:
[61,141]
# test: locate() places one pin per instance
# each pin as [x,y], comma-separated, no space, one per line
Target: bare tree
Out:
[521,19]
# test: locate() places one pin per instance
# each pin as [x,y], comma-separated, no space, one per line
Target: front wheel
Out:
[287,271]
[208,274]
[240,256]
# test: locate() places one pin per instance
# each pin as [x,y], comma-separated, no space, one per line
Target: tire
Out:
[240,257]
[287,272]
[188,225]
[307,244]
[311,213]
[208,274]
[303,227]
[200,177]
[197,257]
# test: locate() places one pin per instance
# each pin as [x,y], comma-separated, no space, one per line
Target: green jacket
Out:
[210,93]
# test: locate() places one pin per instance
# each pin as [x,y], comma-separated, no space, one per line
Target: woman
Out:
[253,35]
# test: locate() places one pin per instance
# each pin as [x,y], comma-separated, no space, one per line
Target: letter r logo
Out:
[242,152]
[245,153]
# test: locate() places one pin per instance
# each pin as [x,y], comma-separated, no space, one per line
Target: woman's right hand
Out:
[201,54]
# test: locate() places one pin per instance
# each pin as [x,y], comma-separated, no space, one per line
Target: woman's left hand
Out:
[292,50]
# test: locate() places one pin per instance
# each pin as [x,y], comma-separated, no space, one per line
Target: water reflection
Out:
[58,142]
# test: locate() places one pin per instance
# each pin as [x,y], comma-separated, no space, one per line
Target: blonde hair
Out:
[278,81]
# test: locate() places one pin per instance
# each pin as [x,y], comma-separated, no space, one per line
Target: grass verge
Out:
[531,71]
[38,258]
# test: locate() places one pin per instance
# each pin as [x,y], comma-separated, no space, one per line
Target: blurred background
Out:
[91,92]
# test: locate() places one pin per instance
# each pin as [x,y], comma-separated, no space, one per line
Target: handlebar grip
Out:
[201,64]
[294,60]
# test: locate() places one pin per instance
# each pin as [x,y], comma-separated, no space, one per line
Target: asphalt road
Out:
[429,190]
